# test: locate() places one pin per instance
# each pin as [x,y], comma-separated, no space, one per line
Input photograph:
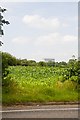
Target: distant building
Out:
[49,60]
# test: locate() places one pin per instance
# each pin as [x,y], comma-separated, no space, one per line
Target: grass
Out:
[40,95]
[37,84]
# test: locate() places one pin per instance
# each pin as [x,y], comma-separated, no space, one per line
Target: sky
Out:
[41,30]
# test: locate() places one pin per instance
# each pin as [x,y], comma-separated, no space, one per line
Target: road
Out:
[49,111]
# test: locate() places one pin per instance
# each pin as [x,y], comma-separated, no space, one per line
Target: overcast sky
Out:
[41,30]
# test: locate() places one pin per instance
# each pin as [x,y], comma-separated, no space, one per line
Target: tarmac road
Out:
[48,111]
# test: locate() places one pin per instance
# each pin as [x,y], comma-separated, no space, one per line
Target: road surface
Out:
[49,111]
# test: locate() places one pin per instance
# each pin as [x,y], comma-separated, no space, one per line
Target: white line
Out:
[34,110]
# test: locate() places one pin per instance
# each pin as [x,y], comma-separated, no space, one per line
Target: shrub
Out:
[74,78]
[41,63]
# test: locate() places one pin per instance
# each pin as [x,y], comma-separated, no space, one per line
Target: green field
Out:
[38,84]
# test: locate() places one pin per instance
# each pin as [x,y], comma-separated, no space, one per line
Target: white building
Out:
[49,60]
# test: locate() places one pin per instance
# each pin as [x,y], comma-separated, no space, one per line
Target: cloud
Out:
[54,39]
[52,45]
[65,25]
[70,38]
[21,40]
[38,21]
[48,40]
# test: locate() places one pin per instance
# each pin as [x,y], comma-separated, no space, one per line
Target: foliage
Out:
[18,61]
[28,81]
[50,64]
[37,84]
[37,73]
[61,64]
[24,62]
[2,22]
[42,63]
[31,62]
[7,60]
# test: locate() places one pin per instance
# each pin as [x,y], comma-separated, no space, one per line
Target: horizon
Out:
[44,59]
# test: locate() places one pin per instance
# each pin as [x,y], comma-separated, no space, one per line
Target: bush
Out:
[69,85]
[61,78]
[74,78]
[9,81]
[7,60]
[41,63]
[9,85]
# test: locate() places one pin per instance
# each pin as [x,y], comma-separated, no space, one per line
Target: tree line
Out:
[10,60]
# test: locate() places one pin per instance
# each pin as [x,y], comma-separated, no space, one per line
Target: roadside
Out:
[40,105]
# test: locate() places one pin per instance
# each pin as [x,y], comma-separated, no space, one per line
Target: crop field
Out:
[38,84]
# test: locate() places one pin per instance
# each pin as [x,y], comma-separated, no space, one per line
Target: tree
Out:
[31,62]
[42,63]
[51,63]
[73,67]
[7,60]
[24,62]
[62,64]
[18,61]
[2,22]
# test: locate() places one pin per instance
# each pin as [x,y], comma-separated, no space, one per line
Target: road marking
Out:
[34,110]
